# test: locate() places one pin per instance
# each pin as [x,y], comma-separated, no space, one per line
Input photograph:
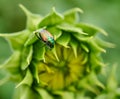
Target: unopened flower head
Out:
[66,56]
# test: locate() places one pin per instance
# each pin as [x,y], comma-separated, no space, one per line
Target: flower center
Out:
[60,74]
[62,63]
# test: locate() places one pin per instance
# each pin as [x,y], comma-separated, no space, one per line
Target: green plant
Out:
[69,70]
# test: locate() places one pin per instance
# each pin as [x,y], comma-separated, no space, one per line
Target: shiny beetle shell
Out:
[46,37]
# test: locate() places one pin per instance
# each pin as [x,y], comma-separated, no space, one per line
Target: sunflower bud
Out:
[69,69]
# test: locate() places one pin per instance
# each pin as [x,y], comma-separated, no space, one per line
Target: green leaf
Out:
[17,39]
[71,15]
[51,19]
[32,19]
[31,39]
[71,28]
[74,45]
[27,80]
[39,50]
[55,32]
[63,39]
[26,57]
[90,29]
[13,63]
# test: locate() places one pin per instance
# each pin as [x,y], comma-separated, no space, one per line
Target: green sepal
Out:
[64,39]
[103,96]
[82,95]
[92,42]
[43,93]
[96,60]
[82,38]
[27,80]
[55,32]
[34,70]
[51,56]
[68,95]
[31,39]
[26,57]
[17,39]
[74,45]
[64,94]
[87,86]
[13,63]
[70,16]
[104,44]
[26,92]
[94,80]
[94,46]
[91,82]
[90,29]
[39,50]
[85,59]
[55,53]
[51,19]
[72,29]
[32,19]
[85,46]
[12,66]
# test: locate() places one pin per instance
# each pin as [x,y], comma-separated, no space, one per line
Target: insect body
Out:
[46,37]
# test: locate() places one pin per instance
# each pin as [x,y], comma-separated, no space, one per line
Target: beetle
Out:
[45,37]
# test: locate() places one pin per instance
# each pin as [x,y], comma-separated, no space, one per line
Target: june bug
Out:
[45,37]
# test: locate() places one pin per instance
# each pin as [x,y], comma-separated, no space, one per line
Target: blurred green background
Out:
[102,13]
